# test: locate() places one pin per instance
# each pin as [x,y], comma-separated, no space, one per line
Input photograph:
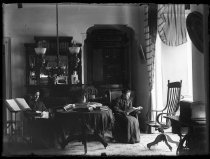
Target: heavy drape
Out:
[172,24]
[150,32]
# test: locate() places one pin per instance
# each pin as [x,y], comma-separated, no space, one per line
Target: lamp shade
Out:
[74,49]
[40,50]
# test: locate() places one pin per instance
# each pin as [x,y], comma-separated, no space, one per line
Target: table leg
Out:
[101,139]
[64,141]
[84,142]
[184,148]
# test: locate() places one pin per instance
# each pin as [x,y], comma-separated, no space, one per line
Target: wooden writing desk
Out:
[190,143]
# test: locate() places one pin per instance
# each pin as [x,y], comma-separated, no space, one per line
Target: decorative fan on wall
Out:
[195,29]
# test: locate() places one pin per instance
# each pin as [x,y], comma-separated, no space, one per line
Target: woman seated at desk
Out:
[35,103]
[127,127]
[40,128]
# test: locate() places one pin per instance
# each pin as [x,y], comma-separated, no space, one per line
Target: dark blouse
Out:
[122,105]
[37,105]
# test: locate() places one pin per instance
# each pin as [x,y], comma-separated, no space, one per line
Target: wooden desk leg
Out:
[184,149]
[64,141]
[84,142]
[101,139]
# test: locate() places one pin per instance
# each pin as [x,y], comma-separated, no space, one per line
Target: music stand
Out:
[12,123]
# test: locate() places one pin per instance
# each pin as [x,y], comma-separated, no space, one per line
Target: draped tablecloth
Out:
[96,120]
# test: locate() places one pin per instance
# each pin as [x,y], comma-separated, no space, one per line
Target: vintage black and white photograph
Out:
[105,79]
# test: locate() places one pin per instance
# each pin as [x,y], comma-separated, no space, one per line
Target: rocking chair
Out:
[172,105]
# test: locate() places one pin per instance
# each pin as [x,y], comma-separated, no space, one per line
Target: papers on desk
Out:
[76,107]
[44,114]
[69,107]
[104,108]
[94,104]
[81,105]
[90,106]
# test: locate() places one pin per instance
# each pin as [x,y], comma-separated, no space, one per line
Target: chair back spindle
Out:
[173,98]
[171,107]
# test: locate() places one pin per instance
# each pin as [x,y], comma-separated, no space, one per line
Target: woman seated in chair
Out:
[126,126]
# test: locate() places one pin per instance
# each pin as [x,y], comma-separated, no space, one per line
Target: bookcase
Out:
[108,54]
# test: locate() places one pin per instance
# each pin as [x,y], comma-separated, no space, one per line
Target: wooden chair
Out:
[90,92]
[112,95]
[172,105]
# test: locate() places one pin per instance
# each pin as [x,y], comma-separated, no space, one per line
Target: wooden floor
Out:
[75,148]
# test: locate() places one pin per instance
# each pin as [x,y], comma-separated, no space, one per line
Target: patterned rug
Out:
[94,148]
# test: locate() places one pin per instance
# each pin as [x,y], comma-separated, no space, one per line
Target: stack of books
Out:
[69,107]
[84,107]
[94,104]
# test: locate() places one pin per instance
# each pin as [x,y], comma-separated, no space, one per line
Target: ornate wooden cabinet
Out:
[52,69]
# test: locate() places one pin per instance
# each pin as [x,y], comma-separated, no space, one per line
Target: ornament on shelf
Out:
[74,78]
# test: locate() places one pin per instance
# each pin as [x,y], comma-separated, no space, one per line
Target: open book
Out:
[133,109]
[12,105]
[22,104]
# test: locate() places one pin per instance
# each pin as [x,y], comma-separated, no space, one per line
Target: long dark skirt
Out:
[126,129]
[42,132]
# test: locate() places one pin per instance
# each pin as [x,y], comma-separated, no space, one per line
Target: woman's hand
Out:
[38,111]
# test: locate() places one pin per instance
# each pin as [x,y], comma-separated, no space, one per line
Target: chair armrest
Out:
[157,110]
[148,112]
[158,116]
[174,118]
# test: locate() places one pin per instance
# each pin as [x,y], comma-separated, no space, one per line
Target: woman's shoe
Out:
[132,142]
[62,145]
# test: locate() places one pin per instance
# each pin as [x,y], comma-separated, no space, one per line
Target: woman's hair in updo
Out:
[126,90]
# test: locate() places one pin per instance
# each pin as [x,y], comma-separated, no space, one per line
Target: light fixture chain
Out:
[58,54]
